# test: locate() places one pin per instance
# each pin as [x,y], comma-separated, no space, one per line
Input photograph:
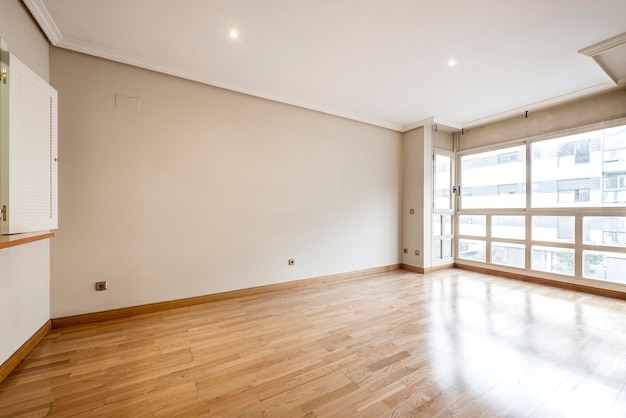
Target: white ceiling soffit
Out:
[382,63]
[611,57]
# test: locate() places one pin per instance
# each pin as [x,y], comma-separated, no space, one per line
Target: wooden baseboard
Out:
[179,303]
[421,270]
[12,362]
[539,280]
[412,268]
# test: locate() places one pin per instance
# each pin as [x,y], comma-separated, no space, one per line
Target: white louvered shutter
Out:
[29,158]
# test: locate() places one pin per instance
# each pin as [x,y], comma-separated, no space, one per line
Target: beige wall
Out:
[204,190]
[24,270]
[23,36]
[416,195]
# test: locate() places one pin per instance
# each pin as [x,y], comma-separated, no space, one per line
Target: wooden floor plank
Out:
[400,344]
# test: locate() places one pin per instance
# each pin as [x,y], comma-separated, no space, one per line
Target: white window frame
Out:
[578,212]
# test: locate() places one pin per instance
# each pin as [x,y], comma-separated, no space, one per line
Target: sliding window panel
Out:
[494,179]
[581,170]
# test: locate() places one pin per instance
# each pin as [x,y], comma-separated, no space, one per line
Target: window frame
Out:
[578,212]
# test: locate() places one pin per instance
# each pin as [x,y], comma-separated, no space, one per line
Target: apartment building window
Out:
[604,230]
[573,195]
[574,152]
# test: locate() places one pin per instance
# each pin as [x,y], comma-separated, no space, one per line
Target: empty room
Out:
[312,208]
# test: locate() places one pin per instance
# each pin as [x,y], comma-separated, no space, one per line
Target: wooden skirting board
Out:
[538,280]
[427,270]
[160,306]
[179,303]
[12,362]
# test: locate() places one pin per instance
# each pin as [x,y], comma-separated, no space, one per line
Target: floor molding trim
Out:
[421,270]
[547,282]
[12,362]
[412,268]
[179,303]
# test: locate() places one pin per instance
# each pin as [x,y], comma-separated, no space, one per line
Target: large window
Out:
[554,206]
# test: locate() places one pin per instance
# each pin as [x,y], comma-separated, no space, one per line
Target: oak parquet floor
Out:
[452,344]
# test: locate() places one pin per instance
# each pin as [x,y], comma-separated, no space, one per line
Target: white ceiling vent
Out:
[611,57]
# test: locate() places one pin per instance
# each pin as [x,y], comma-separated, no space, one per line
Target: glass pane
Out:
[436,249]
[555,260]
[580,170]
[598,230]
[472,250]
[447,248]
[443,167]
[474,225]
[494,179]
[512,227]
[553,228]
[604,266]
[447,224]
[513,255]
[436,224]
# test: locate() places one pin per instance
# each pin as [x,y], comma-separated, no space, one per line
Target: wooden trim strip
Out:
[179,303]
[12,362]
[7,241]
[547,282]
[439,268]
[412,268]
[421,270]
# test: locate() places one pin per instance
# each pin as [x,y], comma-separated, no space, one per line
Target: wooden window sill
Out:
[7,241]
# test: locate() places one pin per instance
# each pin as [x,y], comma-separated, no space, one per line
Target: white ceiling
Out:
[380,62]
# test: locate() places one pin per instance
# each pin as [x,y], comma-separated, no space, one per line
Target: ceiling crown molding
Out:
[433,120]
[45,21]
[603,46]
[43,18]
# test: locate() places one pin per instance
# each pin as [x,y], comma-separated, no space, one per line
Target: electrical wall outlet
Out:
[291,262]
[101,285]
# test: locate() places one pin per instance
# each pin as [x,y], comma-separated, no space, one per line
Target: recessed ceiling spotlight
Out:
[233,34]
[451,63]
